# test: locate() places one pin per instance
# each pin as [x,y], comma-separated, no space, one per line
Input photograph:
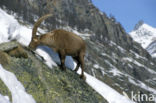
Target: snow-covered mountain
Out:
[143,34]
[146,36]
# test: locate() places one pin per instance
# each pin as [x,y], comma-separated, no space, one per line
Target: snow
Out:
[152,48]
[149,28]
[144,35]
[112,43]
[138,64]
[46,56]
[141,84]
[130,65]
[144,86]
[113,57]
[119,47]
[93,72]
[154,55]
[137,55]
[10,28]
[19,95]
[111,95]
[113,70]
[96,66]
[107,92]
[4,99]
[52,58]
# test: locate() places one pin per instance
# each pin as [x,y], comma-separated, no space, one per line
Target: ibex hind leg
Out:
[81,57]
[78,63]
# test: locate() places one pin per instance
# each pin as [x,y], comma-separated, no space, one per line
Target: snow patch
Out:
[11,29]
[114,70]
[119,47]
[113,57]
[4,99]
[138,64]
[137,55]
[17,90]
[96,66]
[142,85]
[111,95]
[52,58]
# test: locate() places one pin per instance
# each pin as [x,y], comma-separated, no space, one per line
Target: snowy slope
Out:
[143,34]
[23,35]
[4,99]
[11,29]
[111,95]
[18,92]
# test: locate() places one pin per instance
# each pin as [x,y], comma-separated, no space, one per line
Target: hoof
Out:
[83,77]
[63,69]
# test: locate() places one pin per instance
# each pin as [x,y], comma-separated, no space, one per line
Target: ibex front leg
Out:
[62,59]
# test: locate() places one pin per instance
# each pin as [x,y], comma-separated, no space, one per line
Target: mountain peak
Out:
[140,23]
[145,35]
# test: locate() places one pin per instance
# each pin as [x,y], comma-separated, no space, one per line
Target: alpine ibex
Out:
[62,42]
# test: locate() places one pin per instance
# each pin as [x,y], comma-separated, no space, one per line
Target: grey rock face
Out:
[152,48]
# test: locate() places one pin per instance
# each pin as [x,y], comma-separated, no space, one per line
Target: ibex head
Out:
[35,41]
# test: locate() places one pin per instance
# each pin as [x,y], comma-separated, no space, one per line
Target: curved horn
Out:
[36,25]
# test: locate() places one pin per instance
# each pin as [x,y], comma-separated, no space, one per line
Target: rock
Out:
[4,58]
[18,52]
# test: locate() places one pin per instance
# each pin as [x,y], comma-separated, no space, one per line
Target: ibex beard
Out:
[62,42]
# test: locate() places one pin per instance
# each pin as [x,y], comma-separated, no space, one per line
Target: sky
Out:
[129,12]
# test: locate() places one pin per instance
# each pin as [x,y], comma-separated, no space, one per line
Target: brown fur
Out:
[62,42]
